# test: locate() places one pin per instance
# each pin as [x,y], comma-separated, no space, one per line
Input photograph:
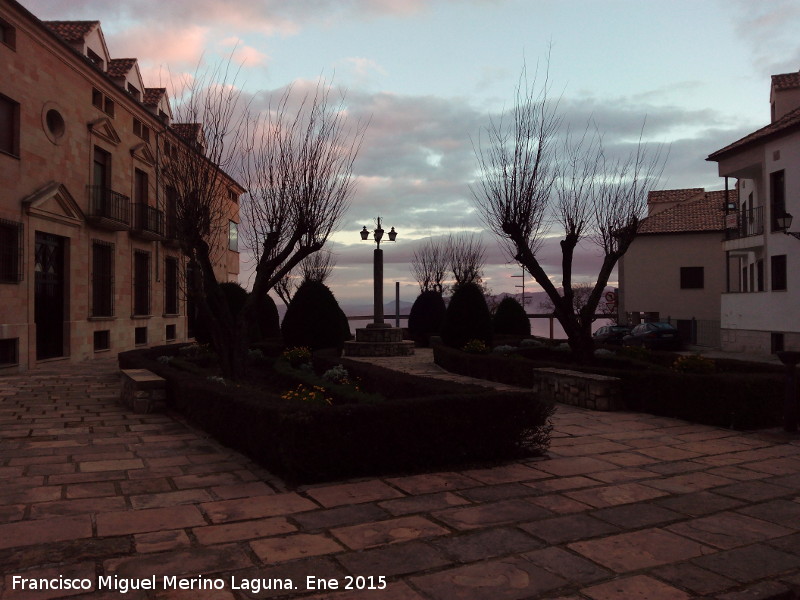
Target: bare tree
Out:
[429,265]
[198,150]
[295,165]
[466,258]
[298,172]
[315,267]
[529,183]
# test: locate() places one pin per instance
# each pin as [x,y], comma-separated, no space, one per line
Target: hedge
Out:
[747,396]
[435,424]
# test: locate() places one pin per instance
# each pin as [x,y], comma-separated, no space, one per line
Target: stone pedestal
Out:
[143,391]
[379,339]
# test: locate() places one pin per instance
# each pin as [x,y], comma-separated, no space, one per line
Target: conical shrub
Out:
[268,319]
[467,317]
[510,318]
[235,296]
[314,319]
[426,317]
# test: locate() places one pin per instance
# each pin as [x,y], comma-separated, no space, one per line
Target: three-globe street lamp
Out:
[377,270]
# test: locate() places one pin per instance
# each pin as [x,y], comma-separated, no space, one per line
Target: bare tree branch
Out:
[429,265]
[314,267]
[466,258]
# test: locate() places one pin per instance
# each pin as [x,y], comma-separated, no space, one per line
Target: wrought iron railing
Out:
[148,219]
[745,223]
[105,203]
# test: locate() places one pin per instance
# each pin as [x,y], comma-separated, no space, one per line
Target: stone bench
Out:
[586,390]
[143,391]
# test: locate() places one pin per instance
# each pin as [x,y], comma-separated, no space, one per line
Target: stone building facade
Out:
[89,263]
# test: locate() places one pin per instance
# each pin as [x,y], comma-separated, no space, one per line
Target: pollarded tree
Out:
[295,163]
[530,183]
[299,177]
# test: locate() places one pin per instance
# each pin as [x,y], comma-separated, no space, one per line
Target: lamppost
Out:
[378,270]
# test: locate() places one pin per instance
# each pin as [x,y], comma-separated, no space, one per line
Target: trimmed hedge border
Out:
[728,398]
[423,423]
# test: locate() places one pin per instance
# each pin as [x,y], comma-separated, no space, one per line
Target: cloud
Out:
[267,17]
[361,72]
[763,26]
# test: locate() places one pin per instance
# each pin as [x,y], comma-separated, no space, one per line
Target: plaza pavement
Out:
[626,506]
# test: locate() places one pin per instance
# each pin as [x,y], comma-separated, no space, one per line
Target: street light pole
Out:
[377,271]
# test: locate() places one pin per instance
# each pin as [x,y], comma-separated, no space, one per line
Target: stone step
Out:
[357,348]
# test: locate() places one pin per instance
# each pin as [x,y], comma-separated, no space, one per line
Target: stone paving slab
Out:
[625,506]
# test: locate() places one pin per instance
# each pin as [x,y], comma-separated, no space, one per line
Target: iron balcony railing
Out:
[745,223]
[148,221]
[109,207]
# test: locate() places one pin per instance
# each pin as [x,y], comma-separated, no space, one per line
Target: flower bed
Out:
[733,394]
[421,423]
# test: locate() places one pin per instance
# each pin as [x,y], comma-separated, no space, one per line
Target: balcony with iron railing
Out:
[108,209]
[148,222]
[743,224]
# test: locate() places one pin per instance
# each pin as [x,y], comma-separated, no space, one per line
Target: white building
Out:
[760,311]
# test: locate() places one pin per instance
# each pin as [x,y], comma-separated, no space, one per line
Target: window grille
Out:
[102,279]
[141,283]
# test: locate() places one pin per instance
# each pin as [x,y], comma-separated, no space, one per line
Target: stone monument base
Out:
[379,339]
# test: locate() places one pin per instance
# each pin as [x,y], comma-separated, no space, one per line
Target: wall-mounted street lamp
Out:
[784,222]
[377,235]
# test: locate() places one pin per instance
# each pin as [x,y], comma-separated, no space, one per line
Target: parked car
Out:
[611,334]
[655,336]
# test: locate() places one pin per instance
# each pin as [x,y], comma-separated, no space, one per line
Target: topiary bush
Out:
[235,295]
[268,319]
[314,318]
[467,317]
[510,318]
[426,317]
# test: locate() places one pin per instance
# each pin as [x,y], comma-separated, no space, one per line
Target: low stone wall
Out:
[143,391]
[587,390]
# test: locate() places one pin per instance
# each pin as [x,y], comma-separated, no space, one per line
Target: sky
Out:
[429,75]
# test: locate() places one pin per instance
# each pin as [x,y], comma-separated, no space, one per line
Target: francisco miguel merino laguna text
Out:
[172,582]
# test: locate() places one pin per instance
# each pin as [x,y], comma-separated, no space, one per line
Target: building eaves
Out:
[706,214]
[786,124]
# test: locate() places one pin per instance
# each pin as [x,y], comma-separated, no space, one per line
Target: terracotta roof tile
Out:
[152,96]
[704,214]
[786,123]
[658,196]
[189,132]
[119,67]
[71,31]
[786,81]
